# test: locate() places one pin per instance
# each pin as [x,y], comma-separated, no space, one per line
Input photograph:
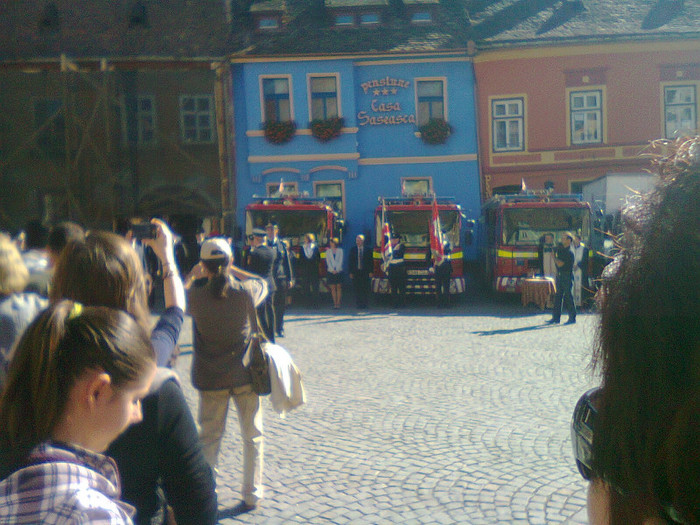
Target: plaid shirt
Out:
[64,485]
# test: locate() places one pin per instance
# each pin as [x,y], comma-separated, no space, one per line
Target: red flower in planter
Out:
[278,132]
[327,129]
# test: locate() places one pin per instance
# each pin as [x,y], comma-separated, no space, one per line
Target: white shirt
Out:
[334,261]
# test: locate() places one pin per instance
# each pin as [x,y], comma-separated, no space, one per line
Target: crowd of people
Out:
[89,405]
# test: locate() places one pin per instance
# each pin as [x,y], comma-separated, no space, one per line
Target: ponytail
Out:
[220,280]
[62,344]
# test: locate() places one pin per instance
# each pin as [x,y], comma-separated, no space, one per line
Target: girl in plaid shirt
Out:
[74,384]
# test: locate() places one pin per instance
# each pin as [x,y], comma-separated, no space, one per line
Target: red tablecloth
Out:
[539,291]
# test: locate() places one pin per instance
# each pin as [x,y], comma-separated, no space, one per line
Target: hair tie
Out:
[75,311]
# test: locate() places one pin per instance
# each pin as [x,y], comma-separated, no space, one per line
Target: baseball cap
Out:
[216,248]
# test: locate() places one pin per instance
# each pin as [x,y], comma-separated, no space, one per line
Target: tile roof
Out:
[180,29]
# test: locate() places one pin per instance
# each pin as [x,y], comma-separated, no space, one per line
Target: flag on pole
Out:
[436,245]
[387,251]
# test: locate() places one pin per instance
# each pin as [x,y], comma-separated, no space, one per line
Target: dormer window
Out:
[421,17]
[344,20]
[369,19]
[267,23]
[268,15]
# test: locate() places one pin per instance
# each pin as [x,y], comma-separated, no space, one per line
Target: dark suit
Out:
[307,272]
[360,269]
[283,274]
[261,261]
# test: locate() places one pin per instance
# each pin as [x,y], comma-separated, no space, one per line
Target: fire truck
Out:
[296,216]
[514,225]
[410,218]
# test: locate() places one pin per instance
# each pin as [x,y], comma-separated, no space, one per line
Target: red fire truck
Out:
[513,226]
[410,218]
[296,216]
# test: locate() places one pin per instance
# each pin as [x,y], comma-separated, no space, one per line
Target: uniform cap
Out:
[216,248]
[259,232]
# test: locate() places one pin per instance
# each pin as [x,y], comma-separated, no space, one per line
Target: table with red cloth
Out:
[538,290]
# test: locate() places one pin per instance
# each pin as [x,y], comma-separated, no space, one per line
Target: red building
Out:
[576,91]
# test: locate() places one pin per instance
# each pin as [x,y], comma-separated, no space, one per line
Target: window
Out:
[324,97]
[415,186]
[331,192]
[431,100]
[508,124]
[288,188]
[268,22]
[368,19]
[680,110]
[421,17]
[586,117]
[196,119]
[48,114]
[277,106]
[146,119]
[344,19]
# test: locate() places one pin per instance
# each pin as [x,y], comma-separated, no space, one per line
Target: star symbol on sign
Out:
[385,91]
[394,91]
[376,92]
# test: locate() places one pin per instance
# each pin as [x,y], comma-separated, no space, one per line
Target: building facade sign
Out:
[384,112]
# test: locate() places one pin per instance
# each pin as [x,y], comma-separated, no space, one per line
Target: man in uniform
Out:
[261,261]
[397,270]
[283,274]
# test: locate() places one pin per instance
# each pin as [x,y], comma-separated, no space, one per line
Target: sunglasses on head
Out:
[582,426]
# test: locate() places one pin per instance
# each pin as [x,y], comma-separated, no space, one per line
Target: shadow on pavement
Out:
[514,330]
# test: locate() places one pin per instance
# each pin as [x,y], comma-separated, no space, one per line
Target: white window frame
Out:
[691,103]
[404,180]
[508,118]
[416,81]
[341,184]
[140,115]
[290,188]
[309,78]
[197,113]
[584,113]
[261,87]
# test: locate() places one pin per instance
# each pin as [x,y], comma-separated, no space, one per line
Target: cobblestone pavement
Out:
[419,415]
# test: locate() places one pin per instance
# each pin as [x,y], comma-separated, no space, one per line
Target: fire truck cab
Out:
[410,218]
[514,225]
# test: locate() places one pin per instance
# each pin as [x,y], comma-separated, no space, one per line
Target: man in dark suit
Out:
[360,266]
[283,274]
[261,261]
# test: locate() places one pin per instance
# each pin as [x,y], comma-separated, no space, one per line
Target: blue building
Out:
[383,100]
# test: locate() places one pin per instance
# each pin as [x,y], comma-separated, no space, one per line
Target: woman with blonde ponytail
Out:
[74,384]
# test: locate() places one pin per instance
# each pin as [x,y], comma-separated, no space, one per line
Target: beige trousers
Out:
[213,408]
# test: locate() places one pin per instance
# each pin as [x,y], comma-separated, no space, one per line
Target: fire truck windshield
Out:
[293,224]
[525,226]
[414,226]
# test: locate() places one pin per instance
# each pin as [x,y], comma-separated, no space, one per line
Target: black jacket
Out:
[366,261]
[261,261]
